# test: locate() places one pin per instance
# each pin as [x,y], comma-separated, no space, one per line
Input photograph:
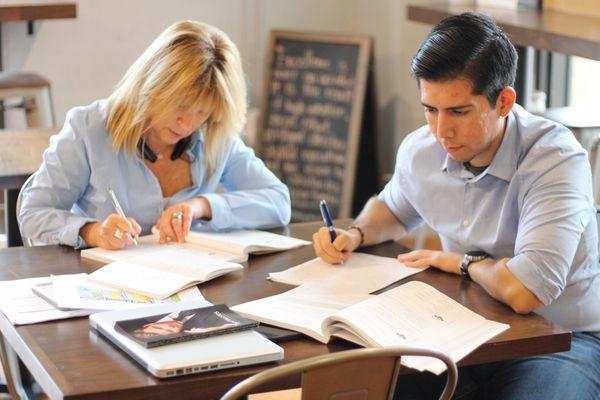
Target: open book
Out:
[246,241]
[233,246]
[411,314]
[161,278]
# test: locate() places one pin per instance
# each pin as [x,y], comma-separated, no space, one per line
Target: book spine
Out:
[202,335]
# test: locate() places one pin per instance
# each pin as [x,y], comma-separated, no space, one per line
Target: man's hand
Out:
[342,247]
[445,261]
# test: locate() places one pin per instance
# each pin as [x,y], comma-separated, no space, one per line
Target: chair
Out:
[34,90]
[361,374]
[8,358]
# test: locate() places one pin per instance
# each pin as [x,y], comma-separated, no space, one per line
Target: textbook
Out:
[411,314]
[233,246]
[149,250]
[183,325]
[161,278]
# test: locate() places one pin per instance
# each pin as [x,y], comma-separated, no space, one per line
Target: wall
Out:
[85,57]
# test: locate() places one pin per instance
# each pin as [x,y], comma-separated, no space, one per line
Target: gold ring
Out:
[177,215]
[118,234]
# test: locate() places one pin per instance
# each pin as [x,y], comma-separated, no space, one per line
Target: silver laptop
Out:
[208,354]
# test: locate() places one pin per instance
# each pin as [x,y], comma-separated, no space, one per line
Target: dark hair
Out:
[468,45]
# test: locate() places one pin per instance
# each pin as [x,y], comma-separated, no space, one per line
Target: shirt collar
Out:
[196,139]
[504,164]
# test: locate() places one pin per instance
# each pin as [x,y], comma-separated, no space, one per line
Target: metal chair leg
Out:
[10,365]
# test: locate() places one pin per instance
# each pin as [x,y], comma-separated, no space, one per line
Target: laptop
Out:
[196,356]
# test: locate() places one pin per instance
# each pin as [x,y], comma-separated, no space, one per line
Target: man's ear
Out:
[506,100]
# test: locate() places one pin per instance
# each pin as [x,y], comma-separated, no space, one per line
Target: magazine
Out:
[184,325]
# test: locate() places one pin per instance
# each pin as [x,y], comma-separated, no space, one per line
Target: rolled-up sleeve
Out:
[556,208]
[253,196]
[46,214]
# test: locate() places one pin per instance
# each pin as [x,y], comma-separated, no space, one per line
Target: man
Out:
[509,194]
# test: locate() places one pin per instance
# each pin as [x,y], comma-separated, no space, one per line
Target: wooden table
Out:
[72,362]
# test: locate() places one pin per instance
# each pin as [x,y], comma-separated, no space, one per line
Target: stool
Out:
[35,92]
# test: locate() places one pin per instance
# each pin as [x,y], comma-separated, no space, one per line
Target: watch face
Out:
[477,253]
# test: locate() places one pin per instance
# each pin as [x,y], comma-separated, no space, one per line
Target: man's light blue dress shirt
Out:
[70,188]
[533,204]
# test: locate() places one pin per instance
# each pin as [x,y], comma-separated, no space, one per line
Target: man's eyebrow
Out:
[458,107]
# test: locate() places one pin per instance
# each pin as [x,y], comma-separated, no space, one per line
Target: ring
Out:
[177,215]
[118,234]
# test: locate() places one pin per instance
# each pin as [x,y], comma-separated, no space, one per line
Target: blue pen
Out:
[327,219]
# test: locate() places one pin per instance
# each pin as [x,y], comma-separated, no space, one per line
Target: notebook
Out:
[209,354]
[160,279]
[411,314]
[182,326]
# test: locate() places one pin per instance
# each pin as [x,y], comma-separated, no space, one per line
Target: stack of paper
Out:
[366,272]
[28,301]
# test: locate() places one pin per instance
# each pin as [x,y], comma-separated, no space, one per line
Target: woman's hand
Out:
[175,222]
[114,233]
[446,261]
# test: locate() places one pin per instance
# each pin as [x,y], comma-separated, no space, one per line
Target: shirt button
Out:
[466,223]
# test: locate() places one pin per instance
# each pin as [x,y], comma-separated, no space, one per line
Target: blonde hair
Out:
[187,62]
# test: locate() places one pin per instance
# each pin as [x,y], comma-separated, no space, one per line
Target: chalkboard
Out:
[314,112]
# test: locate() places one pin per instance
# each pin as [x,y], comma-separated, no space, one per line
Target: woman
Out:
[163,141]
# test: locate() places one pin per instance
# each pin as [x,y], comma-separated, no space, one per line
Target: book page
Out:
[301,309]
[76,291]
[246,241]
[22,306]
[417,314]
[149,248]
[368,273]
[140,279]
[185,261]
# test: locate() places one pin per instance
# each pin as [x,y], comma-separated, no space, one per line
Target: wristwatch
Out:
[471,256]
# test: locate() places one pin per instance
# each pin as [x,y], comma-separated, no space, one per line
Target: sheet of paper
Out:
[76,291]
[302,309]
[22,306]
[418,314]
[368,273]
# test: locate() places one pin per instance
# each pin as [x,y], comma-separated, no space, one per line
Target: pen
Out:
[119,210]
[327,219]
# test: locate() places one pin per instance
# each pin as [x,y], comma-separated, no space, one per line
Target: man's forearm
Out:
[378,223]
[495,277]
